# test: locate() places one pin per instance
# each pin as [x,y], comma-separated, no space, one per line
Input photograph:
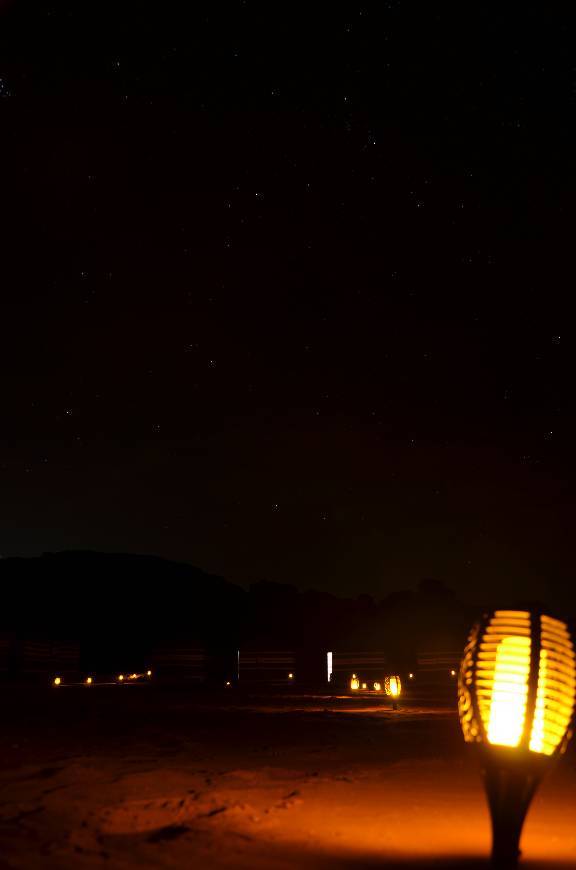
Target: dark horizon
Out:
[124,567]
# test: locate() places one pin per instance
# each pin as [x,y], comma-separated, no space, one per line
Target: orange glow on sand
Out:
[432,800]
[402,796]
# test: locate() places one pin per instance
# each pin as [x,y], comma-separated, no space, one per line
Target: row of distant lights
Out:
[355,682]
[57,681]
[123,677]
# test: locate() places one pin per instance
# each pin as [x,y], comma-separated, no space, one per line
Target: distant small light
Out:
[57,681]
[452,673]
[148,673]
[354,683]
[133,676]
[120,677]
[88,681]
[364,686]
[228,683]
[410,676]
[377,687]
[290,676]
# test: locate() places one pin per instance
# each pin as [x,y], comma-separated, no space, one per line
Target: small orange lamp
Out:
[393,687]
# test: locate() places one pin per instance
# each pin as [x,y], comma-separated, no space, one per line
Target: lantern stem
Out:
[509,792]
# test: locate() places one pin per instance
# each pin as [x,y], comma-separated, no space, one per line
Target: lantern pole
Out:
[509,789]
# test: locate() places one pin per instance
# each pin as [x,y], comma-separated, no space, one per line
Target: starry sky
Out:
[286,290]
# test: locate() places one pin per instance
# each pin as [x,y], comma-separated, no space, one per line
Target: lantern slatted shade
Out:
[556,687]
[517,684]
[392,686]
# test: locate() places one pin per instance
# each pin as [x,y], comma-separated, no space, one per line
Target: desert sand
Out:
[145,776]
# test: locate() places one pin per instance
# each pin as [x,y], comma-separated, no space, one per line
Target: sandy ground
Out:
[145,777]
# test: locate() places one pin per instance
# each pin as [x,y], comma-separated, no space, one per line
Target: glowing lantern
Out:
[364,685]
[88,681]
[57,681]
[354,683]
[393,687]
[377,687]
[516,696]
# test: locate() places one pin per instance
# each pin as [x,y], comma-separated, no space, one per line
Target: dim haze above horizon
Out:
[286,294]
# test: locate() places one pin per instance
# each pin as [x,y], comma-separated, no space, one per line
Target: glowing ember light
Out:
[88,681]
[516,698]
[354,683]
[507,710]
[377,687]
[452,673]
[120,677]
[148,673]
[364,686]
[410,676]
[57,681]
[290,676]
[392,686]
[133,676]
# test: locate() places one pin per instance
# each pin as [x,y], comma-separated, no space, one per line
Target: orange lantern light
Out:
[516,698]
[393,687]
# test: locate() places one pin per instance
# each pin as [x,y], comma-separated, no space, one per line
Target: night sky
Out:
[286,290]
